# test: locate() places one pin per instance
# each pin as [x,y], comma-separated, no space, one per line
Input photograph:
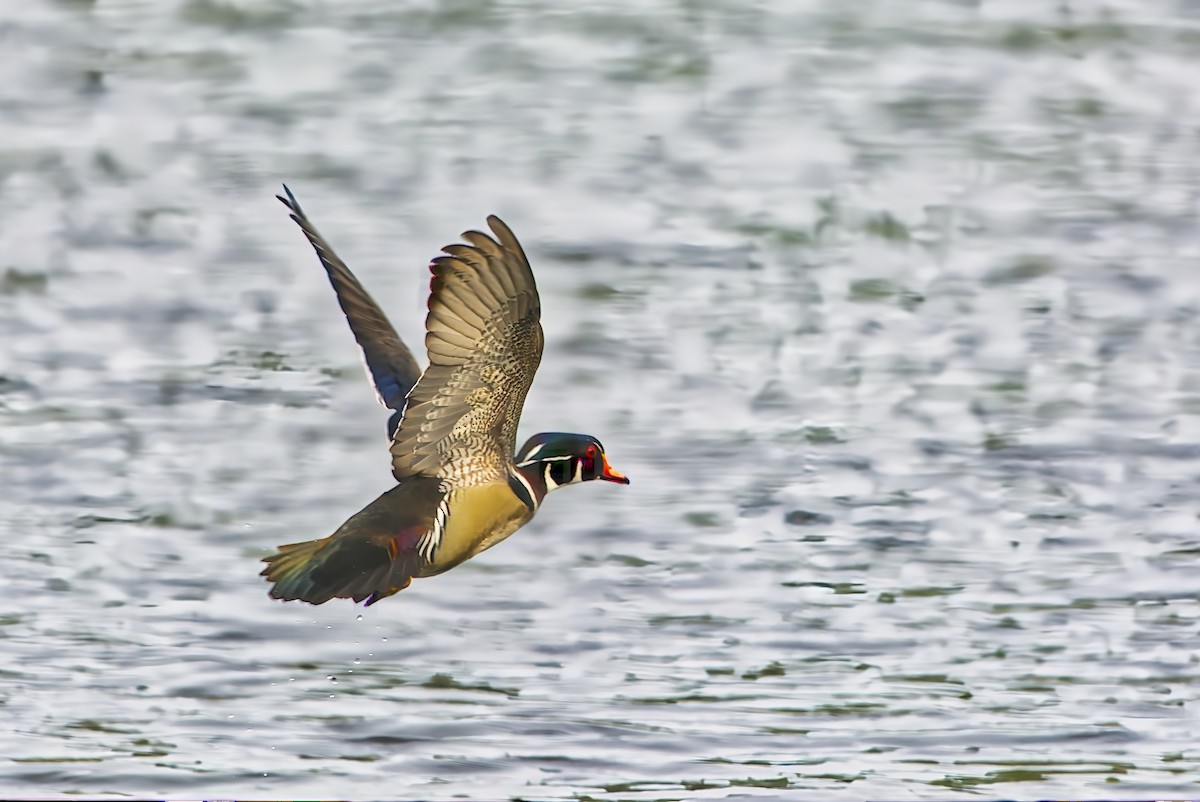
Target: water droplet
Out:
[359,618]
[385,640]
[357,660]
[291,679]
[333,696]
[331,678]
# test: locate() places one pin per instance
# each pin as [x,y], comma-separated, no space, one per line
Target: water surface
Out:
[890,313]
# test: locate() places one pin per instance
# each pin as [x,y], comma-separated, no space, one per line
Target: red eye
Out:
[591,452]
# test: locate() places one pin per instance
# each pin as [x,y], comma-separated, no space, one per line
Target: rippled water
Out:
[892,315]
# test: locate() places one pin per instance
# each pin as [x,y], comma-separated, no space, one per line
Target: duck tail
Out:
[291,571]
[316,571]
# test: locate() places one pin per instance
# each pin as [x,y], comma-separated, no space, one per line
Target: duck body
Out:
[380,549]
[460,490]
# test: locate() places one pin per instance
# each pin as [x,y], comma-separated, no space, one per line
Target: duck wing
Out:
[389,364]
[484,338]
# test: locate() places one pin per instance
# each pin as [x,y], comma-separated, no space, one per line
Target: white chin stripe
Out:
[549,463]
[530,497]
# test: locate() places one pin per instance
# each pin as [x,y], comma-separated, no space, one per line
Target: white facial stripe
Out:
[578,471]
[529,462]
[532,455]
[550,483]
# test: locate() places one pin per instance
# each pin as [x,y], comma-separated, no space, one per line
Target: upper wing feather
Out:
[390,365]
[484,338]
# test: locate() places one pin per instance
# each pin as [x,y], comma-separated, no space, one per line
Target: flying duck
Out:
[459,490]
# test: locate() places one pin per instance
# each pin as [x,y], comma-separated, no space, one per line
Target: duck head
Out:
[551,460]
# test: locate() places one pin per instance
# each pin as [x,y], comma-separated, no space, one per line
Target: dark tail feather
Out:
[291,571]
[316,571]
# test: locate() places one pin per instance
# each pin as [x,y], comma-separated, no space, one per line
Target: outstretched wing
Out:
[484,337]
[390,365]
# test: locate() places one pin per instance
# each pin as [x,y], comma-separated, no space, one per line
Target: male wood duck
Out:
[453,431]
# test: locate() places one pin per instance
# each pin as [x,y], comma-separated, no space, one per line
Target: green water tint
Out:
[839,588]
[92,725]
[234,17]
[447,682]
[15,281]
[357,758]
[1031,771]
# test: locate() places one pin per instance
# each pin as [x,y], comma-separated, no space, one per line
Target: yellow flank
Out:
[480,517]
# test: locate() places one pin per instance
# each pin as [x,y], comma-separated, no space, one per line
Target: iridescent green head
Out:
[556,459]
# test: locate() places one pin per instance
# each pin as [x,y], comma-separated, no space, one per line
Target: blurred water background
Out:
[891,311]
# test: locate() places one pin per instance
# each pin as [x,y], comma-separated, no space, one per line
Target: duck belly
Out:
[478,518]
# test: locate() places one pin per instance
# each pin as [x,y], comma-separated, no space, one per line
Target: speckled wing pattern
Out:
[390,365]
[484,338]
